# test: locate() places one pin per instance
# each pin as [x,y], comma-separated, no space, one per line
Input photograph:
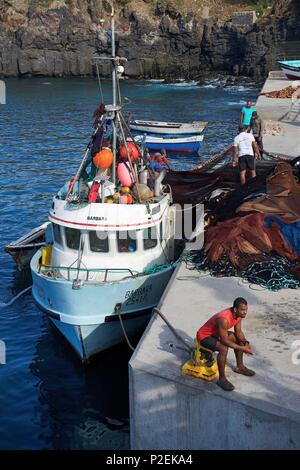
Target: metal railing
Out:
[51,271]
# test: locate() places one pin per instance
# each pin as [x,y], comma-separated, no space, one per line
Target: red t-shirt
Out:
[210,328]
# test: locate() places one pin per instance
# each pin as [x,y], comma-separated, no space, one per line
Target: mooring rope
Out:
[118,310]
[3,304]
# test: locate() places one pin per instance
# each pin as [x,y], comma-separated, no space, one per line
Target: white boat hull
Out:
[87,316]
[171,128]
[89,340]
[291,74]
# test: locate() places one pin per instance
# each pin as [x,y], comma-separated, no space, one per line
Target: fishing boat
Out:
[24,248]
[114,246]
[168,128]
[291,68]
[190,144]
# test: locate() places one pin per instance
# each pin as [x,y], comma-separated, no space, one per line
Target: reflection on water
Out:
[80,407]
[48,400]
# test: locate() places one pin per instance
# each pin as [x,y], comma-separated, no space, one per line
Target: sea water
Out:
[48,399]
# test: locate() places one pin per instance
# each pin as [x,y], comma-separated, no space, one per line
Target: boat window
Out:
[72,238]
[150,238]
[57,234]
[161,232]
[126,241]
[99,241]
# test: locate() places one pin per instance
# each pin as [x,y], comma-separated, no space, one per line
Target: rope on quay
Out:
[187,348]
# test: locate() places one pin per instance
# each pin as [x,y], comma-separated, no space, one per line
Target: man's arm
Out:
[241,117]
[260,127]
[223,332]
[256,150]
[239,333]
[235,156]
[165,160]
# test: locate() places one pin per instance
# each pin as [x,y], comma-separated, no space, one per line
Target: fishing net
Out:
[266,270]
[255,231]
[287,92]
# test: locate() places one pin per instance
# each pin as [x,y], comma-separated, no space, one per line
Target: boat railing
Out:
[55,272]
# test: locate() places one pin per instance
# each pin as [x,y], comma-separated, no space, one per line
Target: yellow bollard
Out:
[200,367]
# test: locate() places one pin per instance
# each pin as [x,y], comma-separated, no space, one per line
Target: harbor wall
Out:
[166,415]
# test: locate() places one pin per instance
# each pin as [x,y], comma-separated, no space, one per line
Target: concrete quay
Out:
[171,411]
[282,113]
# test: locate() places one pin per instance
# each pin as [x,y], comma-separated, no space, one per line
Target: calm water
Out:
[48,400]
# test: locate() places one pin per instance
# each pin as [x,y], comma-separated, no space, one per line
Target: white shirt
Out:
[243,142]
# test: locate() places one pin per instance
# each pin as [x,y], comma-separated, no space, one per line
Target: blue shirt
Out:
[155,166]
[247,115]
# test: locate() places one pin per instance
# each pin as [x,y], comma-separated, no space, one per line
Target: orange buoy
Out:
[126,199]
[132,150]
[103,159]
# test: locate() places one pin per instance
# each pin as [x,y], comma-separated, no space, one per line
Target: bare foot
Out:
[244,371]
[225,385]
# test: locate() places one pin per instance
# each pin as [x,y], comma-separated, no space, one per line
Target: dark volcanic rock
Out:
[58,38]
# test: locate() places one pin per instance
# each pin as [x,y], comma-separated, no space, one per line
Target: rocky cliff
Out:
[170,38]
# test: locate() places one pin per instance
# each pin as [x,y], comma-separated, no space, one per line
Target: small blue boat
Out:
[291,68]
[190,144]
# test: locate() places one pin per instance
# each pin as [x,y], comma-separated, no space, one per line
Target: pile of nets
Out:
[270,272]
[287,92]
[255,232]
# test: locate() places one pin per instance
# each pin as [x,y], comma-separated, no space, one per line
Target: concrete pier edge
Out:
[170,411]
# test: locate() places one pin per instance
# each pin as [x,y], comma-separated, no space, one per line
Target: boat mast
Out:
[114,89]
[113,54]
[113,110]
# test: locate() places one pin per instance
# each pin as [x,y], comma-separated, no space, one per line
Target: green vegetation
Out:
[262,5]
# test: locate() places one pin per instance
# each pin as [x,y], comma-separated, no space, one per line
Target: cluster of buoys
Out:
[104,160]
[120,197]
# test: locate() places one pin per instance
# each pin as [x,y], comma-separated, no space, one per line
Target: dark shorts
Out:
[247,162]
[209,342]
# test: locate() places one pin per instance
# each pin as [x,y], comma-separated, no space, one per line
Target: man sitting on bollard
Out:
[214,335]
